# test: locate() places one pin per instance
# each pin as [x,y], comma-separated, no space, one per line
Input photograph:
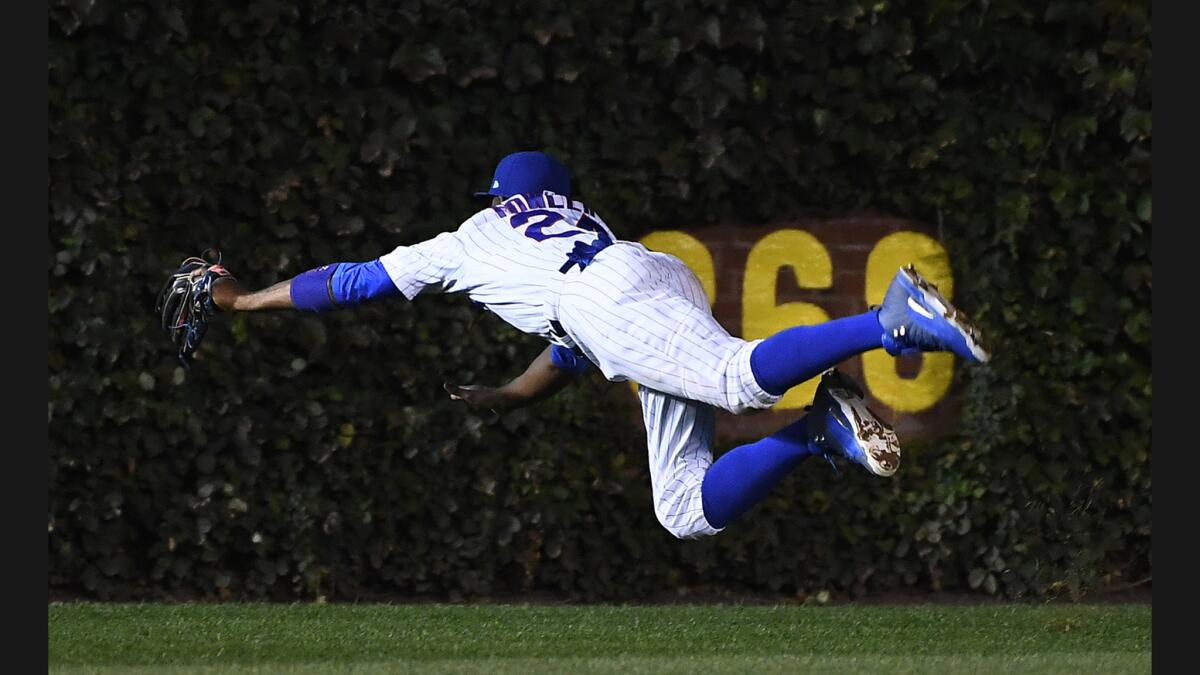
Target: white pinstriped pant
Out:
[641,315]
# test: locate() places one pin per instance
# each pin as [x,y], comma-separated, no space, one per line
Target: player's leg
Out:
[914,317]
[800,353]
[679,437]
[644,316]
[745,475]
[838,422]
[695,496]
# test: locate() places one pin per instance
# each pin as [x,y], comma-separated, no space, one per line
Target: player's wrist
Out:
[227,294]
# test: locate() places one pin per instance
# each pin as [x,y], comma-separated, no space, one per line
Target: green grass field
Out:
[262,638]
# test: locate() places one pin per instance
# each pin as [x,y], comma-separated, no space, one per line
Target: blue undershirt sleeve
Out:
[339,285]
[565,359]
[355,283]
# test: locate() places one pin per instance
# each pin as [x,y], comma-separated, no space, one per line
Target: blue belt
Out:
[583,253]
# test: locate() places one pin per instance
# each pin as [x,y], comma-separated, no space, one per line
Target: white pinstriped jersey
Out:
[508,258]
[634,313]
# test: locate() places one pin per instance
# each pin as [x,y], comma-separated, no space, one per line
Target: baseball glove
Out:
[185,303]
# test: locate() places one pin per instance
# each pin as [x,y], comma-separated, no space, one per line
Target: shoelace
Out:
[824,453]
[829,458]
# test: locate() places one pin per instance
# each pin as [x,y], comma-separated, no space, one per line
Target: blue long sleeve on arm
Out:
[355,283]
[565,359]
[341,285]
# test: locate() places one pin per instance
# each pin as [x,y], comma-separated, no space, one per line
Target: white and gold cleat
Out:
[839,422]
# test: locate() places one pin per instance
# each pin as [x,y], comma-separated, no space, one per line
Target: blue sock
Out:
[800,353]
[746,474]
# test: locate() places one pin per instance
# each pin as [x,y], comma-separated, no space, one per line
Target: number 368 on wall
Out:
[810,261]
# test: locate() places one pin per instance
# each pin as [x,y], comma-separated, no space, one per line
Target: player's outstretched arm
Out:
[322,289]
[541,380]
[200,288]
[231,296]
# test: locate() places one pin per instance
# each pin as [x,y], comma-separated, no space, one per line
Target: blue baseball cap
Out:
[525,172]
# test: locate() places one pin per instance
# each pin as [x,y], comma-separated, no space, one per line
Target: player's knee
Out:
[696,528]
[742,393]
[747,402]
[683,515]
[750,407]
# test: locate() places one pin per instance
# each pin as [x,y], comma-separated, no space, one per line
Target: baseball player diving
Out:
[550,266]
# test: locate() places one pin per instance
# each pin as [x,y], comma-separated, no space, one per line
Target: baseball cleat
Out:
[916,317]
[840,422]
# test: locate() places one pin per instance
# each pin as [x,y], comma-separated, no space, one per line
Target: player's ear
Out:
[497,201]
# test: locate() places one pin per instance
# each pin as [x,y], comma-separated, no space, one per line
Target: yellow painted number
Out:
[762,316]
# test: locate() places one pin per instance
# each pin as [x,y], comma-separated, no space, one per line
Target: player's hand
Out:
[186,305]
[480,397]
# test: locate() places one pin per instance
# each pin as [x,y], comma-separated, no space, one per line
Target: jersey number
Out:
[547,218]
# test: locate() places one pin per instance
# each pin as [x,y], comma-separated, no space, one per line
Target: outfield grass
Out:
[263,638]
